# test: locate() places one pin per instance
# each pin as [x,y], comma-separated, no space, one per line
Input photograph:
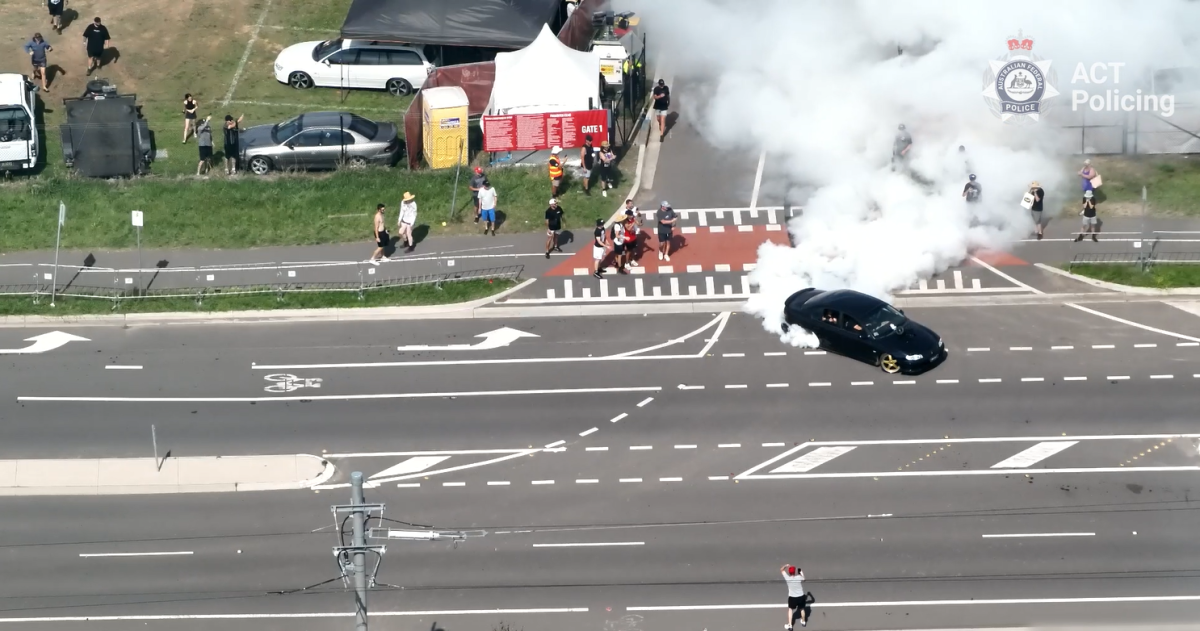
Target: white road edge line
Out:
[294,616]
[603,544]
[241,67]
[341,397]
[134,554]
[930,603]
[1132,323]
[1006,277]
[1040,534]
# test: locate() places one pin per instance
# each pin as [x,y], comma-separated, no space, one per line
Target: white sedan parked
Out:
[345,63]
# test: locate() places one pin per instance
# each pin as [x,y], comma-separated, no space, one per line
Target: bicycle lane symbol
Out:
[289,383]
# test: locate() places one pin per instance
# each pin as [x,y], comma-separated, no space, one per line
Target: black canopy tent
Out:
[499,24]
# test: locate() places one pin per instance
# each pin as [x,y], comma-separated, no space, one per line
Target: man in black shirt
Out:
[598,249]
[56,8]
[554,215]
[972,190]
[1035,210]
[662,102]
[95,37]
[587,161]
[666,226]
[232,143]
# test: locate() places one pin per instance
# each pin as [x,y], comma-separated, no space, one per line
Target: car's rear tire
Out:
[260,165]
[889,364]
[356,162]
[399,87]
[300,80]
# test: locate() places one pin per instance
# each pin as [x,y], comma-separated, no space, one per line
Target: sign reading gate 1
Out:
[536,132]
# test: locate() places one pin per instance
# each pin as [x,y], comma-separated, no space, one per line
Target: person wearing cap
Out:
[972,190]
[1035,211]
[662,103]
[487,206]
[1090,220]
[617,234]
[632,225]
[408,218]
[556,171]
[797,598]
[666,227]
[607,160]
[232,143]
[476,184]
[554,215]
[900,145]
[599,249]
[587,163]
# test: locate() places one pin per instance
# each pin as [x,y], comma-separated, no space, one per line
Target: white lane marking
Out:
[596,449]
[518,454]
[859,383]
[989,380]
[1040,534]
[645,402]
[717,478]
[555,444]
[670,479]
[775,354]
[906,382]
[813,459]
[961,472]
[1074,378]
[819,384]
[777,385]
[758,173]
[728,445]
[1033,379]
[1118,377]
[498,483]
[1145,345]
[134,554]
[412,465]
[454,483]
[590,545]
[941,284]
[122,367]
[772,444]
[735,386]
[1034,454]
[1187,344]
[640,447]
[683,387]
[462,452]
[587,432]
[619,417]
[628,480]
[1133,324]
[341,397]
[927,603]
[409,485]
[1006,277]
[958,279]
[542,482]
[1062,348]
[1162,376]
[588,481]
[241,67]
[814,352]
[723,320]
[979,349]
[266,616]
[947,381]
[1099,346]
[1020,348]
[733,354]
[685,446]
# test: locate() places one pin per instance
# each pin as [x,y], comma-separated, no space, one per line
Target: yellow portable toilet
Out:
[445,127]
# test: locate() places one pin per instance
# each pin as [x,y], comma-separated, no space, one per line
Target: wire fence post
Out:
[62,218]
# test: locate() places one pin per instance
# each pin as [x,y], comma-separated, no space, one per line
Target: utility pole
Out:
[353,558]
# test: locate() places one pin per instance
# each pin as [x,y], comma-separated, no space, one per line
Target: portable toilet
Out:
[445,122]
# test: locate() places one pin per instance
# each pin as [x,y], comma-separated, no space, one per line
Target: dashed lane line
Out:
[645,402]
[588,432]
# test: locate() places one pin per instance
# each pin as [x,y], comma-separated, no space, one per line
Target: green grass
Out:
[1158,277]
[250,211]
[1172,182]
[420,295]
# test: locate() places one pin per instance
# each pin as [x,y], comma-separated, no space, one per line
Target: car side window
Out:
[335,138]
[342,57]
[851,325]
[830,317]
[311,138]
[403,58]
[372,57]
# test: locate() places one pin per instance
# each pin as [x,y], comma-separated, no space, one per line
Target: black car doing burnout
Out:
[864,328]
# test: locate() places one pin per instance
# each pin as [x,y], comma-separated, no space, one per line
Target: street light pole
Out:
[359,517]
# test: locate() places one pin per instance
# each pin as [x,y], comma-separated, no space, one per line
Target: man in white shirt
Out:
[487,206]
[408,218]
[797,599]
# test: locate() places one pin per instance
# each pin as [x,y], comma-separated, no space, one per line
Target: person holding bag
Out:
[1091,177]
[1032,201]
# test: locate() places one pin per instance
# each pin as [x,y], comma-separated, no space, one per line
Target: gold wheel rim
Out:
[889,364]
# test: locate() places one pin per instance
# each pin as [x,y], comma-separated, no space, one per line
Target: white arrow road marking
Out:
[44,342]
[412,465]
[492,339]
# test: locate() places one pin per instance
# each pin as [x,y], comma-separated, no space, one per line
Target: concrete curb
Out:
[143,476]
[1128,289]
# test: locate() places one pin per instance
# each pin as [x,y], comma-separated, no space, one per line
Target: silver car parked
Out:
[319,140]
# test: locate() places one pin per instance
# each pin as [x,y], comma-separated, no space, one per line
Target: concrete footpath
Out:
[138,476]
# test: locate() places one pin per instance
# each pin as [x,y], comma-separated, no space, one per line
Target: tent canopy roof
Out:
[508,24]
[545,76]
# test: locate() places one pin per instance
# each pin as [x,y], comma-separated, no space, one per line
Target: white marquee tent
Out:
[546,76]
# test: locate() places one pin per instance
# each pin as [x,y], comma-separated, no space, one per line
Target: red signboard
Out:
[535,132]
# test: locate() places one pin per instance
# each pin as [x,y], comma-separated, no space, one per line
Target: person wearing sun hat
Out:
[408,218]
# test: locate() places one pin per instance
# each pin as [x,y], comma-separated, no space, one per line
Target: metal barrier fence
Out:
[1134,258]
[199,283]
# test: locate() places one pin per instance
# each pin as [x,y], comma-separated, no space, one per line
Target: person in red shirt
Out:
[633,222]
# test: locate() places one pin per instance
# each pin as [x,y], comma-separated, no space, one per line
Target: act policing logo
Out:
[1017,85]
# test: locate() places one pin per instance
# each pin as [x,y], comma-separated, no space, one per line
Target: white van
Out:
[18,131]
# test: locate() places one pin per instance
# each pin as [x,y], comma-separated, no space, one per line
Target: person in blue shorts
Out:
[487,207]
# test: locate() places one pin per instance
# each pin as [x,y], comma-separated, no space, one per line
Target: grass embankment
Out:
[420,295]
[1172,183]
[1158,276]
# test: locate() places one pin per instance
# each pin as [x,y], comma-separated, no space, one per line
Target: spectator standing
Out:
[617,235]
[632,225]
[476,184]
[408,219]
[972,190]
[487,204]
[598,249]
[587,162]
[554,215]
[37,49]
[56,8]
[1088,174]
[382,239]
[797,598]
[96,38]
[1090,221]
[900,146]
[233,139]
[189,115]
[662,103]
[204,140]
[556,171]
[607,160]
[1035,211]
[666,228]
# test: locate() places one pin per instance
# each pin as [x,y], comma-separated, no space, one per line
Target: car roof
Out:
[363,43]
[325,119]
[845,300]
[12,88]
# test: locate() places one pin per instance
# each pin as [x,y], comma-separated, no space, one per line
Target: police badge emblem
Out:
[1017,85]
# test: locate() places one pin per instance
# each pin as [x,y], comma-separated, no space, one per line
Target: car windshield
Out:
[14,123]
[285,130]
[324,48]
[884,322]
[363,127]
